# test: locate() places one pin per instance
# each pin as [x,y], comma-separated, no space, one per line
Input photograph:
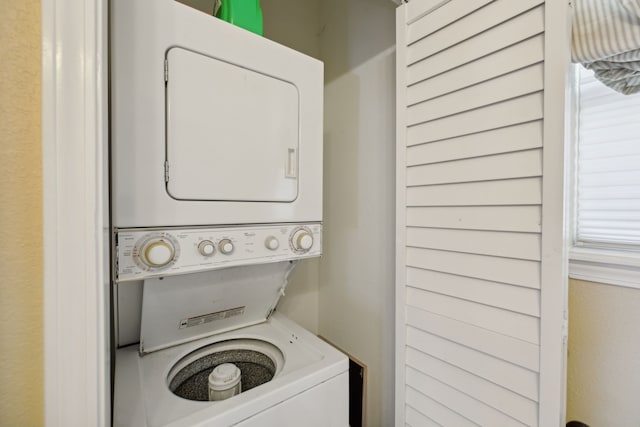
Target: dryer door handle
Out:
[292,163]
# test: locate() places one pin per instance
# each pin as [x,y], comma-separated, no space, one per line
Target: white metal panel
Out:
[505,218]
[232,132]
[143,31]
[514,298]
[187,307]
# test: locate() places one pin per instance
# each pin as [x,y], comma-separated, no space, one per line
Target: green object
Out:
[246,14]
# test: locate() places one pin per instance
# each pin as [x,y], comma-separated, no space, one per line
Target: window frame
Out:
[607,265]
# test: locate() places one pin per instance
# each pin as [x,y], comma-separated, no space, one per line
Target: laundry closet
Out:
[206,244]
[437,171]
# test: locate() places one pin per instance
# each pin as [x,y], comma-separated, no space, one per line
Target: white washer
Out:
[224,314]
[310,387]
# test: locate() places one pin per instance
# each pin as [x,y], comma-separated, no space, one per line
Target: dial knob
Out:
[271,243]
[302,240]
[158,253]
[225,246]
[206,248]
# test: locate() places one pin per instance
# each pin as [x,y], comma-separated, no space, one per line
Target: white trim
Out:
[608,266]
[554,274]
[608,273]
[74,140]
[401,192]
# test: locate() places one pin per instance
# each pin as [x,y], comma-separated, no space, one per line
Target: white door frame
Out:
[75,216]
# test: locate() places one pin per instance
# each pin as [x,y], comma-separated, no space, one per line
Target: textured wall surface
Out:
[603,383]
[21,388]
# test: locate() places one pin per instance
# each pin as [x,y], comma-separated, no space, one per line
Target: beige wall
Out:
[21,340]
[603,384]
[357,267]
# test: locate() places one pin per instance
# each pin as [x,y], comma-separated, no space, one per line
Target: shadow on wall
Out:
[341,157]
[347,38]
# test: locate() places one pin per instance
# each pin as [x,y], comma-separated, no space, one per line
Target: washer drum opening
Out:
[257,360]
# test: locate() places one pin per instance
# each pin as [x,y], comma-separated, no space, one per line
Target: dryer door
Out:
[232,133]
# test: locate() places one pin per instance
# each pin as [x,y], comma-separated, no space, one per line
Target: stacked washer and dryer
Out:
[216,195]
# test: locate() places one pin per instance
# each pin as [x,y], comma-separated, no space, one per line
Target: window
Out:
[607,190]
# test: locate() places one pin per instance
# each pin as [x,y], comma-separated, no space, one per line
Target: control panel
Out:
[145,253]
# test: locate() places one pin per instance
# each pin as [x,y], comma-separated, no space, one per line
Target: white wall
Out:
[603,384]
[357,268]
[348,295]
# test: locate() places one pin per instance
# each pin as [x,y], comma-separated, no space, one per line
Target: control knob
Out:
[157,253]
[302,240]
[225,246]
[272,243]
[206,248]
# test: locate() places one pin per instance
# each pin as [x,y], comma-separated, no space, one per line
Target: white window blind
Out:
[608,181]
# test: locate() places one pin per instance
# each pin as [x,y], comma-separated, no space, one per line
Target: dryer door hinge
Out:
[166,171]
[166,70]
[116,258]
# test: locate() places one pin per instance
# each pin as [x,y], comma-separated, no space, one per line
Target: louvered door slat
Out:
[494,141]
[508,375]
[415,418]
[468,26]
[496,218]
[501,295]
[513,85]
[526,191]
[480,280]
[519,352]
[516,30]
[514,405]
[496,243]
[519,55]
[438,412]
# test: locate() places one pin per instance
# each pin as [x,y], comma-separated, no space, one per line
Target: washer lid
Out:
[179,309]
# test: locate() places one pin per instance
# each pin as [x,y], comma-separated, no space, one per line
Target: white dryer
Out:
[192,323]
[211,124]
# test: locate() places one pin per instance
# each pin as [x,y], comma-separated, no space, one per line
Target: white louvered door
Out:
[481,263]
